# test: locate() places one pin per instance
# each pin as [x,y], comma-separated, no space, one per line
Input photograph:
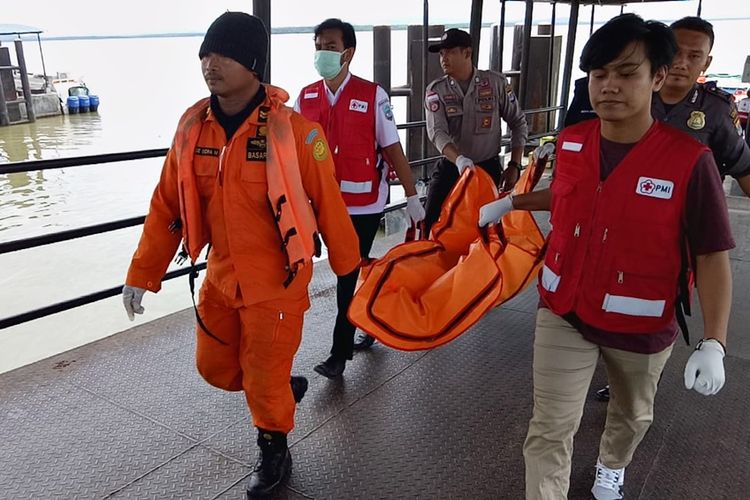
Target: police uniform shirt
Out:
[709,115]
[472,121]
[386,134]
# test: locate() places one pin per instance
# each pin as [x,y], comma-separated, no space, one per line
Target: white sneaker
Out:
[608,482]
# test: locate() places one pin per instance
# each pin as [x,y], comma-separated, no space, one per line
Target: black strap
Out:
[682,305]
[191,280]
[279,202]
[292,269]
[287,237]
[682,322]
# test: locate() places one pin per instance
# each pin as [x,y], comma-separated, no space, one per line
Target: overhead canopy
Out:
[609,2]
[18,29]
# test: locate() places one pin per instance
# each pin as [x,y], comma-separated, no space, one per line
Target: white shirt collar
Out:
[334,97]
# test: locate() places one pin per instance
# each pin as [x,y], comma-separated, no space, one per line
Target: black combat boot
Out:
[273,464]
[299,388]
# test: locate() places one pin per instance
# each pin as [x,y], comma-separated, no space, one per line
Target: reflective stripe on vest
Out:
[356,187]
[633,306]
[549,280]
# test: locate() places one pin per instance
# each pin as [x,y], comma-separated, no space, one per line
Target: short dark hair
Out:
[694,23]
[608,42]
[347,31]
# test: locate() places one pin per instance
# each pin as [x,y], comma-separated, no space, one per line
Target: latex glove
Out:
[462,163]
[544,151]
[493,212]
[704,370]
[131,298]
[414,208]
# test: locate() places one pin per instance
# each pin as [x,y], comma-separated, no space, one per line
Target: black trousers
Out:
[343,333]
[444,177]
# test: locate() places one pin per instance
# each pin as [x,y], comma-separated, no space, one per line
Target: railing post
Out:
[262,9]
[30,115]
[381,56]
[475,29]
[526,51]
[568,68]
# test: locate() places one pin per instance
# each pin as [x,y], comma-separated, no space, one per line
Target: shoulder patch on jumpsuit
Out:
[312,135]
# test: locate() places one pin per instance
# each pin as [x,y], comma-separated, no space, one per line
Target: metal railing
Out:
[60,236]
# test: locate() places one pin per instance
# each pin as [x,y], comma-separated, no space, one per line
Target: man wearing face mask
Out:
[358,121]
[463,110]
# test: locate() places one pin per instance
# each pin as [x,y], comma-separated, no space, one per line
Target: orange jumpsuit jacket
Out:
[235,214]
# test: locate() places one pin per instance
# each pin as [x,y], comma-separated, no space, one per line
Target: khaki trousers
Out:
[564,363]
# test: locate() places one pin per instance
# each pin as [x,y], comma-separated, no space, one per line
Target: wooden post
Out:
[25,81]
[262,9]
[381,56]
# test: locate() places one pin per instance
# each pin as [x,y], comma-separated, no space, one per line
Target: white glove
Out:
[544,151]
[131,297]
[462,163]
[493,212]
[414,208]
[704,370]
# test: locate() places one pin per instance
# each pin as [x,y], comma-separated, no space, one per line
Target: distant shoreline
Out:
[282,30]
[307,30]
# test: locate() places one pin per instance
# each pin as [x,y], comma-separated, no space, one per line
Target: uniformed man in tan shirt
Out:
[463,110]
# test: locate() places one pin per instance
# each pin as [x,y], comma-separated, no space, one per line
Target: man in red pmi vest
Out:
[358,122]
[630,197]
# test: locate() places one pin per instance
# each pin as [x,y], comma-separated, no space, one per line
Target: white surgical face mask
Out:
[328,63]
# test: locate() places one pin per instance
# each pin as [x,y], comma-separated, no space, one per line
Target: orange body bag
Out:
[425,293]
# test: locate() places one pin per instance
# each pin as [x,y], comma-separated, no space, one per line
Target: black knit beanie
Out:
[239,36]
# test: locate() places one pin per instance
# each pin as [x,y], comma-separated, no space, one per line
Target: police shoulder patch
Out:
[735,117]
[433,101]
[320,150]
[711,89]
[385,107]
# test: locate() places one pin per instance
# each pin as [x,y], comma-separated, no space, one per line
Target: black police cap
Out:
[452,38]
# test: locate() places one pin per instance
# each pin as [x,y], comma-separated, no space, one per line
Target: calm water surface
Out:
[144,85]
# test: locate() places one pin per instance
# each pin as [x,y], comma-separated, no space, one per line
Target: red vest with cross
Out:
[350,130]
[614,253]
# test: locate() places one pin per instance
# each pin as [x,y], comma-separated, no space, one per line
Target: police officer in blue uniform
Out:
[704,111]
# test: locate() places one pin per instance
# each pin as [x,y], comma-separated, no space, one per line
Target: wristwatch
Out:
[513,163]
[701,341]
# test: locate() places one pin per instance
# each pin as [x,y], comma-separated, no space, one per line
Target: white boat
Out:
[730,83]
[50,95]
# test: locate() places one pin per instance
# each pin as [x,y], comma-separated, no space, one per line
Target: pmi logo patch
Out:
[655,188]
[356,105]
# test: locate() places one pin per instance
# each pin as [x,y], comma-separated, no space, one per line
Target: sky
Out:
[108,17]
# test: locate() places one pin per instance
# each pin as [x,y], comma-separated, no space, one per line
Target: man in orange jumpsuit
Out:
[254,180]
